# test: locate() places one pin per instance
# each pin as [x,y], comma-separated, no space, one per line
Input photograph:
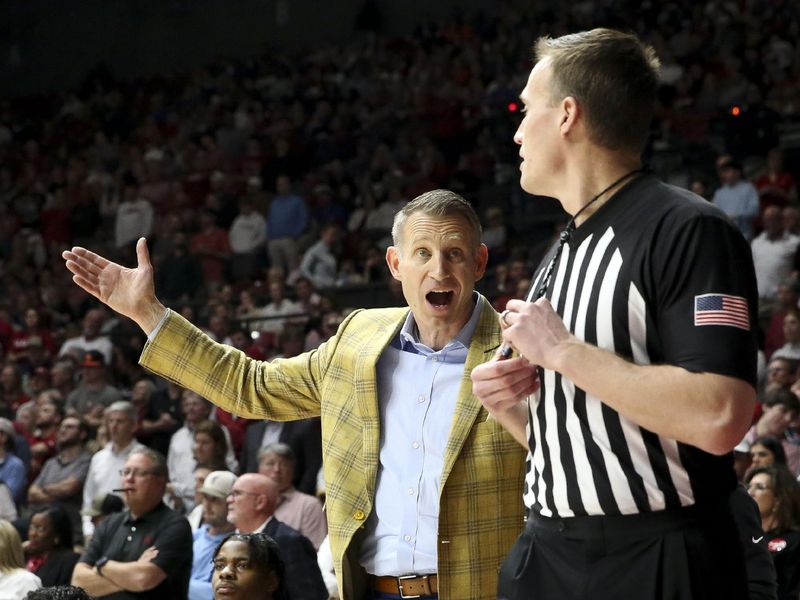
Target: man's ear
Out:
[393,260]
[570,114]
[481,260]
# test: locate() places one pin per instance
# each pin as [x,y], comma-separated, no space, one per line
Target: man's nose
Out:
[518,136]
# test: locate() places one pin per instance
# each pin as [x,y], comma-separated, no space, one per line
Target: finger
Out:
[91,257]
[516,305]
[142,253]
[80,269]
[87,286]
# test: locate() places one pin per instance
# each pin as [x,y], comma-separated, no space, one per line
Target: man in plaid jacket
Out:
[423,489]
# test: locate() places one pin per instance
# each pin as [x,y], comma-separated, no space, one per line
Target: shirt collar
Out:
[408,337]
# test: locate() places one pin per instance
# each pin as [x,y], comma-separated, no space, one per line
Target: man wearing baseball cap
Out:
[214,492]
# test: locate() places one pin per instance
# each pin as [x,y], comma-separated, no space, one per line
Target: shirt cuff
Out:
[151,336]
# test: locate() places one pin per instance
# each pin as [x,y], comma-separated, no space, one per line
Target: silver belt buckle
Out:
[400,585]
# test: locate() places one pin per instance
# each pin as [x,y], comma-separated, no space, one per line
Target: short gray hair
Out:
[154,456]
[280,449]
[123,406]
[438,203]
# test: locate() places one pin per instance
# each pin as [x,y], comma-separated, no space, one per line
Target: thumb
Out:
[142,253]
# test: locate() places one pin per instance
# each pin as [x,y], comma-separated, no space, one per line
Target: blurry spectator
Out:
[42,441]
[235,425]
[154,417]
[23,337]
[63,377]
[787,295]
[319,261]
[494,234]
[210,445]
[157,559]
[791,335]
[12,469]
[306,297]
[781,373]
[93,393]
[180,276]
[164,416]
[775,491]
[264,575]
[766,451]
[90,338]
[62,477]
[180,459]
[301,511]
[211,246]
[780,409]
[195,517]
[103,475]
[286,221]
[791,220]
[304,437]
[776,187]
[38,381]
[736,197]
[134,218]
[15,580]
[248,236]
[102,506]
[278,306]
[251,507]
[12,395]
[49,546]
[773,255]
[216,527]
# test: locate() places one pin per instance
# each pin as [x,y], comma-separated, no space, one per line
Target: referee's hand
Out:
[501,384]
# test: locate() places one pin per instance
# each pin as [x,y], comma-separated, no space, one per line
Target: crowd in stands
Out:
[266,186]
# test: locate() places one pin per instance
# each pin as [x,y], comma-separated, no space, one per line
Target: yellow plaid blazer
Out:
[480,508]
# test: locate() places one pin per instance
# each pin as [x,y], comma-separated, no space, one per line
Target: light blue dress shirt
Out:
[417,392]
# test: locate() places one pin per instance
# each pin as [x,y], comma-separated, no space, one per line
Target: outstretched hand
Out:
[130,292]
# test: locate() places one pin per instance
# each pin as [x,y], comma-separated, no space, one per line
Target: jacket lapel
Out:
[485,342]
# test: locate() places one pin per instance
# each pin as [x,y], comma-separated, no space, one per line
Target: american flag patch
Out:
[721,309]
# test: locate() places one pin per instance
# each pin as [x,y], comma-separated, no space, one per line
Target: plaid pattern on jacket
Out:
[480,506]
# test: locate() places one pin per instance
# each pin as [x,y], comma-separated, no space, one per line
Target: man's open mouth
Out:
[439,299]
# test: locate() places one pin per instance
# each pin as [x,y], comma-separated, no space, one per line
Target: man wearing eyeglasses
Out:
[144,551]
[251,506]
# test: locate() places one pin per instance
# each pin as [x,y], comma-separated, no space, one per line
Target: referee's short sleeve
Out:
[706,300]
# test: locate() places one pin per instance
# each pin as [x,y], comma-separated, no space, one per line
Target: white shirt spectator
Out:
[134,220]
[773,259]
[104,476]
[248,232]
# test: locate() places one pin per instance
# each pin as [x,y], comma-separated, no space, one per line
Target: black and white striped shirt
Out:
[628,281]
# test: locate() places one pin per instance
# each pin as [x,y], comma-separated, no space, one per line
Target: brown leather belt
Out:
[407,586]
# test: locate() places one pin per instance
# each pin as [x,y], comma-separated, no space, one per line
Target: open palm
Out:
[127,291]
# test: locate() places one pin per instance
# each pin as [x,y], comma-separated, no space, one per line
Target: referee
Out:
[640,321]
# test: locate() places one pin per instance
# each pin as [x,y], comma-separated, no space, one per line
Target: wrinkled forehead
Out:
[421,227]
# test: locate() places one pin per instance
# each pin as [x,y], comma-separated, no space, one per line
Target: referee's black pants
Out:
[683,554]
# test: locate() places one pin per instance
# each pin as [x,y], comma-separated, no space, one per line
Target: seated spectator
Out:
[736,197]
[270,314]
[788,293]
[42,441]
[196,516]
[180,459]
[301,511]
[103,475]
[286,221]
[163,416]
[49,546]
[144,551]
[12,394]
[210,445]
[59,592]
[15,580]
[306,297]
[776,187]
[766,451]
[62,477]
[210,244]
[775,491]
[248,567]
[180,276]
[303,436]
[319,261]
[780,409]
[91,337]
[33,331]
[251,506]
[102,507]
[781,373]
[94,393]
[791,335]
[216,527]
[12,470]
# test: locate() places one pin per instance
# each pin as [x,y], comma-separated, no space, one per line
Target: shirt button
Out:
[415,445]
[133,528]
[407,538]
[359,515]
[410,491]
[130,538]
[435,358]
[421,399]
